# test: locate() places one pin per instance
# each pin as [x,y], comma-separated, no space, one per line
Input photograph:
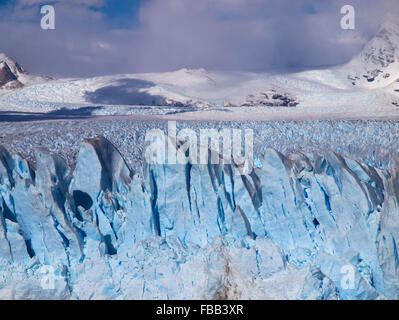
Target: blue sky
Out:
[97,37]
[122,13]
[117,13]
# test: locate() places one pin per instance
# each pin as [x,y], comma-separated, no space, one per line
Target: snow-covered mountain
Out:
[313,91]
[13,76]
[378,63]
[10,71]
[369,82]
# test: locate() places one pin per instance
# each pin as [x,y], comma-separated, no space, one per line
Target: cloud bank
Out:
[252,35]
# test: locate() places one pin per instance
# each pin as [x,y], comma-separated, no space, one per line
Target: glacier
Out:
[288,230]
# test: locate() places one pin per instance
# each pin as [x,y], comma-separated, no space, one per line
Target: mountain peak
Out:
[10,72]
[12,64]
[378,62]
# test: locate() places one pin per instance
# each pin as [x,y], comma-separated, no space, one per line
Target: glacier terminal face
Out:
[299,226]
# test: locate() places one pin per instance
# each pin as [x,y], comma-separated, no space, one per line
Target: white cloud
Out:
[216,34]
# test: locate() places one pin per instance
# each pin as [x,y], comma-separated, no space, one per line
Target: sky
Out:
[102,37]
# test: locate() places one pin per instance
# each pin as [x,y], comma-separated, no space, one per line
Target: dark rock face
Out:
[9,73]
[15,67]
[271,99]
[6,74]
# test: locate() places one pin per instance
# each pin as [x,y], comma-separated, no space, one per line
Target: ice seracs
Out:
[297,221]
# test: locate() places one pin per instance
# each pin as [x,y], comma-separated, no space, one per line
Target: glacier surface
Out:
[300,226]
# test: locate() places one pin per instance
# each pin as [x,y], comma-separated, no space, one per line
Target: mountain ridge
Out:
[368,83]
[13,76]
[377,64]
[10,71]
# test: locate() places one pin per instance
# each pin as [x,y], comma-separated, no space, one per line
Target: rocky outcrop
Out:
[271,98]
[378,63]
[7,77]
[291,229]
[10,72]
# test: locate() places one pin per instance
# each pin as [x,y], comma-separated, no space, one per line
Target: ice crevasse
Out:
[298,227]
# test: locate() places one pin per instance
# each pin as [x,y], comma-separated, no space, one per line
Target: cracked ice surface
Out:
[372,142]
[192,231]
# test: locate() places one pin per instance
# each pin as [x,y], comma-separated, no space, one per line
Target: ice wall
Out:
[290,229]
